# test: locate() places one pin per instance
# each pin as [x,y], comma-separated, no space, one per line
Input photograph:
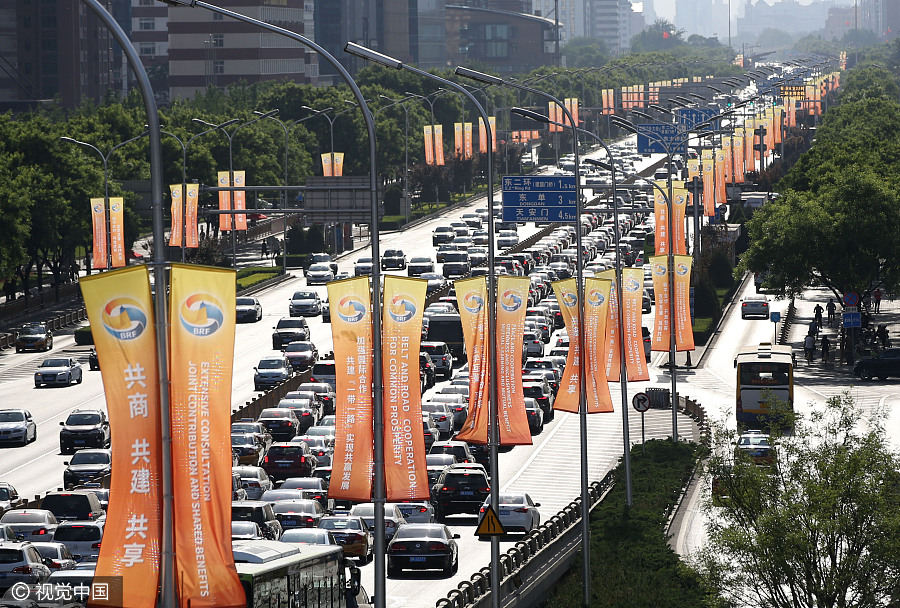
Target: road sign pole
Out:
[643,441]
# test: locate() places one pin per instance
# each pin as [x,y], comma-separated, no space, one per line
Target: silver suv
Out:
[21,563]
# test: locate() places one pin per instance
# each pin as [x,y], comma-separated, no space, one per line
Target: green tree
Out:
[585,53]
[660,36]
[820,528]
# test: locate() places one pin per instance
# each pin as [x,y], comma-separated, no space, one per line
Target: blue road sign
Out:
[542,199]
[775,316]
[852,319]
[689,118]
[661,139]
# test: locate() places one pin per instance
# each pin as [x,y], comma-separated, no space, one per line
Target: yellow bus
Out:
[765,374]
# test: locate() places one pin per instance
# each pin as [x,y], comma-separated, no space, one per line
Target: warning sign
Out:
[490,524]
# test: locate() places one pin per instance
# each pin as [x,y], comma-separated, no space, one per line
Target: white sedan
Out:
[58,370]
[517,512]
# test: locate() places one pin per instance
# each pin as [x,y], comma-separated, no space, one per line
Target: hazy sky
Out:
[666,8]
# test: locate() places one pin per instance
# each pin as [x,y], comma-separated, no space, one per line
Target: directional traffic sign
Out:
[691,117]
[490,524]
[660,139]
[539,198]
[640,402]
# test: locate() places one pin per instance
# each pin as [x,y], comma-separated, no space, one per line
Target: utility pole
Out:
[556,28]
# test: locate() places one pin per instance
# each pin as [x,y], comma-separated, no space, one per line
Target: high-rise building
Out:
[879,16]
[610,21]
[209,49]
[571,16]
[787,15]
[150,35]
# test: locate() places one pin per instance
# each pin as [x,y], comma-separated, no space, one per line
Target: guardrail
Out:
[57,321]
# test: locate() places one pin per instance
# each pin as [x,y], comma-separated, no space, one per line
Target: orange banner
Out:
[201,339]
[120,310]
[472,299]
[429,145]
[659,338]
[117,231]
[511,417]
[612,361]
[240,201]
[405,475]
[337,166]
[728,160]
[351,332]
[482,137]
[693,165]
[749,140]
[679,206]
[467,139]
[567,397]
[439,145]
[632,298]
[661,217]
[176,235]
[191,235]
[684,331]
[327,165]
[777,126]
[720,177]
[458,140]
[737,148]
[98,223]
[224,201]
[596,313]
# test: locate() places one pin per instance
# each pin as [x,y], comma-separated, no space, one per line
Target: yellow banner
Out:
[492,120]
[511,305]
[327,168]
[191,234]
[351,332]
[176,230]
[632,299]
[439,145]
[472,298]
[117,231]
[338,164]
[659,338]
[693,165]
[429,145]
[684,332]
[405,474]
[98,223]
[224,201]
[120,311]
[240,201]
[596,313]
[201,339]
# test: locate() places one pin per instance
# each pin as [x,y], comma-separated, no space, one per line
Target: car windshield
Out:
[83,419]
[298,347]
[340,523]
[241,440]
[754,441]
[320,268]
[51,551]
[77,532]
[290,324]
[32,331]
[364,261]
[420,260]
[393,253]
[244,427]
[273,413]
[298,535]
[245,302]
[243,513]
[512,499]
[304,295]
[23,517]
[269,364]
[12,416]
[320,431]
[413,531]
[84,457]
[285,452]
[55,363]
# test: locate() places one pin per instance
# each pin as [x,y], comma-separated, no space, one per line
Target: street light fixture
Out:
[659,108]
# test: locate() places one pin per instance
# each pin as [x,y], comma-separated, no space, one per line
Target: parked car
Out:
[289,330]
[305,303]
[87,465]
[34,336]
[418,546]
[882,366]
[58,371]
[84,428]
[248,310]
[270,372]
[17,426]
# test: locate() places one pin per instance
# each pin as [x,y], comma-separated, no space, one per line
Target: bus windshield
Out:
[764,374]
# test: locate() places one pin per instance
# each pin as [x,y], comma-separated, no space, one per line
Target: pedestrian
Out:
[818,310]
[830,307]
[867,302]
[809,347]
[265,250]
[876,296]
[277,250]
[826,348]
[814,329]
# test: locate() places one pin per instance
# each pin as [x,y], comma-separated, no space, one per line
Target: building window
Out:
[146,2]
[218,40]
[218,66]
[147,23]
[148,48]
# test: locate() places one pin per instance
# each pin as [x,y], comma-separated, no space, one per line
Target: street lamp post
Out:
[230,137]
[284,221]
[105,159]
[494,430]
[582,401]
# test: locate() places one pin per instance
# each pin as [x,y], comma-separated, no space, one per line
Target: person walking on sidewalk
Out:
[876,297]
[809,347]
[826,348]
[818,310]
[830,307]
[265,250]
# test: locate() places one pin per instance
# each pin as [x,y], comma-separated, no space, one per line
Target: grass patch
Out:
[631,563]
[251,279]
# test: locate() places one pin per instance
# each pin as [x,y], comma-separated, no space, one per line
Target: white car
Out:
[441,416]
[58,370]
[319,274]
[517,512]
[83,538]
[417,512]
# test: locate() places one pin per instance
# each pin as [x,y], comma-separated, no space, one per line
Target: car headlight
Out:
[62,374]
[37,375]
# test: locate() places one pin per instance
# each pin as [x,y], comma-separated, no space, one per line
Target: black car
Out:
[882,366]
[393,258]
[419,265]
[289,330]
[85,466]
[302,354]
[459,491]
[260,513]
[84,429]
[93,360]
[427,366]
[423,546]
[34,336]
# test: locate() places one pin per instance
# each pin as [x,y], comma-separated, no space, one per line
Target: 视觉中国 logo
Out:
[351,309]
[402,309]
[124,319]
[201,314]
[473,302]
[510,301]
[595,297]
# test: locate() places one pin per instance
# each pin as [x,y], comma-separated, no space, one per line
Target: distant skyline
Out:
[665,9]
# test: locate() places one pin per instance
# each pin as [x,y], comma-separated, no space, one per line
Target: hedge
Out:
[257,277]
[631,562]
[83,336]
